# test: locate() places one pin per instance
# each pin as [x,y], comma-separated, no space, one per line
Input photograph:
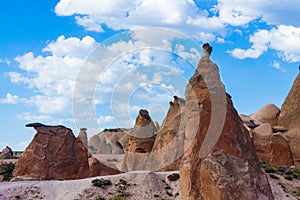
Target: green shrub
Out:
[167,187]
[270,169]
[297,193]
[296,173]
[123,182]
[116,198]
[273,176]
[282,168]
[7,170]
[173,177]
[288,177]
[100,198]
[101,182]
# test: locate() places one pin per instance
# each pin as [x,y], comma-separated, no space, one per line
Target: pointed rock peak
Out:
[290,109]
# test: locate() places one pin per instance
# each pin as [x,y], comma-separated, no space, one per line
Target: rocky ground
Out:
[134,186]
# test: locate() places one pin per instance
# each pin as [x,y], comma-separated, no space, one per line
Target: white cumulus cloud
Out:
[284,39]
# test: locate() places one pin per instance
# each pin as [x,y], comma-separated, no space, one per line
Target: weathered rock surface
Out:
[230,170]
[249,122]
[6,153]
[290,119]
[290,110]
[281,152]
[262,139]
[97,168]
[142,136]
[109,141]
[54,153]
[272,148]
[267,114]
[166,153]
[141,140]
[83,137]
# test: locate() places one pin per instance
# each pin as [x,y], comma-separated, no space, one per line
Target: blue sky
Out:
[47,47]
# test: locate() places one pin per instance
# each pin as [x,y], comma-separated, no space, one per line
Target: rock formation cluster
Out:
[276,132]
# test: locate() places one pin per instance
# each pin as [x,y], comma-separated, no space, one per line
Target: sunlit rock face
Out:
[54,153]
[230,169]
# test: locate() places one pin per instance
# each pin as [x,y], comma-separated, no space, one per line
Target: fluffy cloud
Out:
[12,99]
[118,15]
[276,39]
[276,12]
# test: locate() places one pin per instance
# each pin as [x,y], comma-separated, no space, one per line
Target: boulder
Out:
[83,137]
[6,153]
[262,138]
[219,161]
[54,153]
[281,152]
[267,114]
[97,168]
[273,148]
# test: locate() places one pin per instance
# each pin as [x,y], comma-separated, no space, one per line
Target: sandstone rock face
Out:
[272,148]
[99,169]
[290,110]
[230,170]
[54,153]
[262,138]
[109,141]
[142,136]
[166,153]
[290,119]
[83,137]
[141,140]
[281,152]
[6,153]
[267,114]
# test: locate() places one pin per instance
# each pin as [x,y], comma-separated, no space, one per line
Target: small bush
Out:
[173,177]
[112,160]
[156,195]
[167,187]
[296,173]
[273,176]
[282,169]
[100,198]
[101,182]
[123,182]
[116,198]
[297,193]
[288,177]
[7,170]
[168,193]
[270,169]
